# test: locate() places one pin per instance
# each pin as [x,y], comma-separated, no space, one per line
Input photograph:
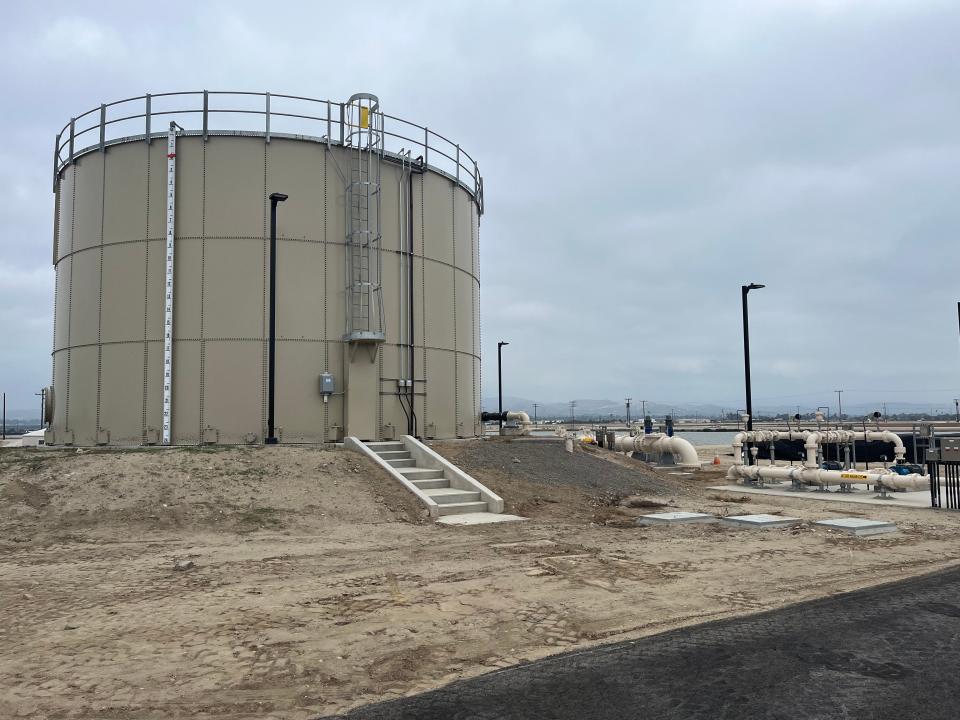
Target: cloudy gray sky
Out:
[642,160]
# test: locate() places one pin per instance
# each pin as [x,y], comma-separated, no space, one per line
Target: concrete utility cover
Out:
[675,517]
[479,518]
[859,526]
[761,521]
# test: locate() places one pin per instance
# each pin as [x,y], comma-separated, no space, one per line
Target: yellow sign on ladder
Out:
[364,117]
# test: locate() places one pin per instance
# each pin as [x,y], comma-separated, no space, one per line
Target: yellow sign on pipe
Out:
[364,117]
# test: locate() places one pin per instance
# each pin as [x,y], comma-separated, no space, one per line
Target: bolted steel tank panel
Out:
[110,260]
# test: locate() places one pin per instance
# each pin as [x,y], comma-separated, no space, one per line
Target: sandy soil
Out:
[317,585]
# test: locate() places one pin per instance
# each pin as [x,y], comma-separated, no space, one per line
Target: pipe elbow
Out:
[684,452]
[899,450]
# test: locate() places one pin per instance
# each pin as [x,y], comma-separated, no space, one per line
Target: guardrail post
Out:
[458,163]
[103,125]
[426,146]
[147,115]
[56,161]
[342,123]
[73,135]
[329,124]
[476,179]
[268,117]
[206,107]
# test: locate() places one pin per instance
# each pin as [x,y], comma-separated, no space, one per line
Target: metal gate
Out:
[944,481]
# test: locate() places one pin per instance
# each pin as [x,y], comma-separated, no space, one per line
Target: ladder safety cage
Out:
[363,138]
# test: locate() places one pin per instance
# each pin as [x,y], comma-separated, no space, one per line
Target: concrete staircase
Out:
[441,486]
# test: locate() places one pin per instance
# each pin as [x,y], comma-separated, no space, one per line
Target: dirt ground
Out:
[311,583]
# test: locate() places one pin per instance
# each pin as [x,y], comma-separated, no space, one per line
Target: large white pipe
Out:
[684,454]
[812,439]
[522,419]
[815,476]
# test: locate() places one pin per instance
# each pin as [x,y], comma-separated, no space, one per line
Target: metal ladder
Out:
[364,143]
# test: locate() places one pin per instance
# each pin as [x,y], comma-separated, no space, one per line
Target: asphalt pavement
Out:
[890,652]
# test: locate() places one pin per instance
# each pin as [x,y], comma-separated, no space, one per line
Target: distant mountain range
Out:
[591,408]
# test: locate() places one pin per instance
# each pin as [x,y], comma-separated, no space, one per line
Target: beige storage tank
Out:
[377,314]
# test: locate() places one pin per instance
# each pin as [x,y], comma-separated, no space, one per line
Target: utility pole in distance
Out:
[628,410]
[535,406]
[839,406]
[573,412]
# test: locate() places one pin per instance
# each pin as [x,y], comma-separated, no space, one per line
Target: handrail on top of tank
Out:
[455,162]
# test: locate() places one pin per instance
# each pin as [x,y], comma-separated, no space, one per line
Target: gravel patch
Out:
[547,463]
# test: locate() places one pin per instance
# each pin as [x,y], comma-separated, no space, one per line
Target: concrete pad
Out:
[478,518]
[862,494]
[859,526]
[674,518]
[760,521]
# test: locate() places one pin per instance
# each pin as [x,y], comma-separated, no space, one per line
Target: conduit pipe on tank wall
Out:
[815,476]
[684,454]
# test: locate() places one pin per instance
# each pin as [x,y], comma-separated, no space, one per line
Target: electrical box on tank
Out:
[326,384]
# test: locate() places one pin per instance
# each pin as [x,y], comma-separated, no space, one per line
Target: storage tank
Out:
[377,296]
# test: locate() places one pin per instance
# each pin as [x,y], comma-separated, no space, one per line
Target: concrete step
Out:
[393,454]
[416,473]
[421,469]
[431,484]
[452,496]
[401,462]
[379,447]
[457,508]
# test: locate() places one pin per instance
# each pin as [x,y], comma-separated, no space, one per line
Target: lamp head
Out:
[753,286]
[502,342]
[278,197]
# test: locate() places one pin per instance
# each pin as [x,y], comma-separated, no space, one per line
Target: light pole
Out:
[628,411]
[43,405]
[535,406]
[956,404]
[839,406]
[744,290]
[271,439]
[573,412]
[643,409]
[500,384]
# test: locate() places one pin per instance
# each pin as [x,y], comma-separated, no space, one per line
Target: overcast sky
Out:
[642,160]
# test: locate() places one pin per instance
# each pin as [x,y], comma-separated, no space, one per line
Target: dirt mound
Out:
[218,489]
